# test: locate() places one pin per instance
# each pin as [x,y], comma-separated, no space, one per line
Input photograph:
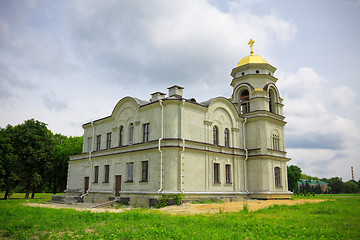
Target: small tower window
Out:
[243,73]
[257,71]
[244,102]
[272,107]
[275,142]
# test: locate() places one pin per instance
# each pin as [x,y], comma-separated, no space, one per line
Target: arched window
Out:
[121,136]
[275,142]
[272,107]
[215,135]
[277,177]
[244,102]
[131,133]
[226,137]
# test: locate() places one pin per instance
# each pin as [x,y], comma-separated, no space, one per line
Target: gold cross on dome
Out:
[251,43]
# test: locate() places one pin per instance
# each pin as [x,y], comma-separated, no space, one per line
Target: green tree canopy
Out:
[34,146]
[336,184]
[294,173]
[8,175]
[351,187]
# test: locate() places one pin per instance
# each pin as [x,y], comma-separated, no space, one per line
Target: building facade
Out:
[225,147]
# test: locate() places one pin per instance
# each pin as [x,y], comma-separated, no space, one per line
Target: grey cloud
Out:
[10,83]
[314,141]
[51,103]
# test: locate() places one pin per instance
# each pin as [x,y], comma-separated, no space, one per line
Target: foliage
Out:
[335,219]
[57,166]
[32,158]
[165,200]
[8,158]
[293,174]
[336,184]
[308,177]
[351,187]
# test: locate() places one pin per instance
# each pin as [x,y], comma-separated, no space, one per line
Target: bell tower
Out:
[258,101]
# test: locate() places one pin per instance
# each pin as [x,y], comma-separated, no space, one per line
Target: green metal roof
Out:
[312,182]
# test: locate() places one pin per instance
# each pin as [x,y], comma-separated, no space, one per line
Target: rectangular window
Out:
[146,132]
[108,141]
[275,141]
[130,172]
[131,133]
[216,172]
[106,173]
[277,177]
[121,135]
[228,173]
[89,146]
[98,142]
[144,171]
[96,174]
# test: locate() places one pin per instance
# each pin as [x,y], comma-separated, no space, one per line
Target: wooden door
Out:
[117,185]
[86,184]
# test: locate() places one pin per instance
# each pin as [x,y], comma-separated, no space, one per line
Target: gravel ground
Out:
[187,208]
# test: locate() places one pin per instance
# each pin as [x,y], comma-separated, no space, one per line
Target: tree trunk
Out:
[54,186]
[6,193]
[27,194]
[33,193]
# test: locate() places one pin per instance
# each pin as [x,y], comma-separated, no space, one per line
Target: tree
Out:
[351,187]
[293,174]
[308,177]
[336,184]
[34,146]
[8,175]
[57,166]
[318,189]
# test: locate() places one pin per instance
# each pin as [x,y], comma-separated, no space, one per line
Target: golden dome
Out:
[252,59]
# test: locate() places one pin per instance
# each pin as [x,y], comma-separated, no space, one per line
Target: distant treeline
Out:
[33,159]
[335,184]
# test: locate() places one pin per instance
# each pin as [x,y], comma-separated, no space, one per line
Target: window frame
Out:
[131,134]
[215,135]
[216,174]
[130,174]
[275,142]
[121,136]
[277,177]
[98,142]
[106,173]
[89,144]
[226,137]
[244,102]
[146,132]
[144,171]
[108,140]
[96,174]
[228,173]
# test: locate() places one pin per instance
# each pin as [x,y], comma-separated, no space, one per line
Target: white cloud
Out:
[321,137]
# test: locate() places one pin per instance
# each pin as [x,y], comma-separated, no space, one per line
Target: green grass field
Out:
[336,219]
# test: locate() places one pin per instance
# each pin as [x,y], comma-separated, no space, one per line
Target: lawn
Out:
[335,219]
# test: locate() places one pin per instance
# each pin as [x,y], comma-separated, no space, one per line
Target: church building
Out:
[231,148]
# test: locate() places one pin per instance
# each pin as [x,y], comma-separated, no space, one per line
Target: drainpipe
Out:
[159,147]
[246,157]
[183,144]
[91,163]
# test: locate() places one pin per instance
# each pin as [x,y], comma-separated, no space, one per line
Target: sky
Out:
[66,63]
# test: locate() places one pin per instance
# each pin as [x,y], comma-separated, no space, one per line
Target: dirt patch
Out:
[252,205]
[78,207]
[187,208]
